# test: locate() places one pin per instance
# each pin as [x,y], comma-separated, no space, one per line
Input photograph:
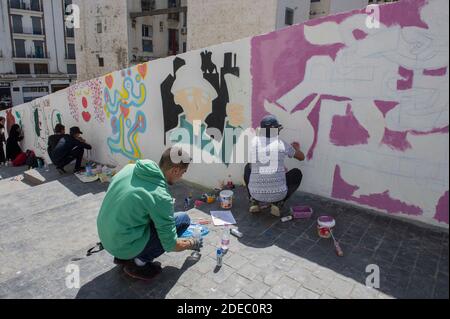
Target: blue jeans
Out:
[154,249]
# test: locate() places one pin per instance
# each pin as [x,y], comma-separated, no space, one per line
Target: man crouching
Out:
[136,223]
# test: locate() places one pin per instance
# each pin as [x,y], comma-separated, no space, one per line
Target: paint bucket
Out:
[302,212]
[325,225]
[226,199]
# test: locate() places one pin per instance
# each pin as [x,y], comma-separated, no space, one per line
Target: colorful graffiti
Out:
[344,91]
[19,118]
[87,98]
[122,97]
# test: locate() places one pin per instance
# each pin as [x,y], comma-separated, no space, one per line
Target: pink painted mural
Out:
[364,112]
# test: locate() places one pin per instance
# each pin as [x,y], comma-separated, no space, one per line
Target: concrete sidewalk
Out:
[53,225]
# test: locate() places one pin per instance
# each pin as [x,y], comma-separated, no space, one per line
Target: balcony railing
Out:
[28,31]
[22,5]
[31,55]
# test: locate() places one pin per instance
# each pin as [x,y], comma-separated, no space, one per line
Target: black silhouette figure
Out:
[216,120]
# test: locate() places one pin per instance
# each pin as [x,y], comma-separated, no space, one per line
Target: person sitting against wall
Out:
[267,179]
[70,148]
[14,152]
[53,140]
[2,141]
[136,223]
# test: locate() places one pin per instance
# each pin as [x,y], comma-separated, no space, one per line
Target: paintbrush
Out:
[339,250]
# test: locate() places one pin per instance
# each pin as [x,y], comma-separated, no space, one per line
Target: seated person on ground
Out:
[136,223]
[267,179]
[69,148]
[13,148]
[53,140]
[2,140]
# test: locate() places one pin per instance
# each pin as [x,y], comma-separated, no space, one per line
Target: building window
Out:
[173,16]
[70,32]
[147,45]
[22,68]
[39,50]
[184,47]
[28,99]
[99,27]
[147,5]
[17,23]
[41,68]
[147,31]
[71,51]
[35,5]
[14,4]
[289,16]
[37,25]
[71,68]
[19,46]
[101,62]
[35,89]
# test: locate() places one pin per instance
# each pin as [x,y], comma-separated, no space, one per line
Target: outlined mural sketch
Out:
[40,108]
[86,98]
[10,120]
[370,107]
[124,95]
[202,102]
[345,91]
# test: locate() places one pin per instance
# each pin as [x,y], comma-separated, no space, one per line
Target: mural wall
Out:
[369,106]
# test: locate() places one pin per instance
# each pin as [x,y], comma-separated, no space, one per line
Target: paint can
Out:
[302,212]
[226,199]
[325,225]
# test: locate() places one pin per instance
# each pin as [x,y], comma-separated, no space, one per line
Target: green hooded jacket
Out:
[137,196]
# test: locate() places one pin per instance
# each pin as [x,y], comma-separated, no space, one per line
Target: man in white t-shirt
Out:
[266,177]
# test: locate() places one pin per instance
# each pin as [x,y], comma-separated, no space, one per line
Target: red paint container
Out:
[324,226]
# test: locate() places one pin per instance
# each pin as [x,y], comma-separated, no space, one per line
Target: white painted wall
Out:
[416,176]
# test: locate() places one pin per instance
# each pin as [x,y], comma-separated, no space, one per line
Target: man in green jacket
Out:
[136,223]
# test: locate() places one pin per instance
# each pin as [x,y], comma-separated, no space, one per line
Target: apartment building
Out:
[37,51]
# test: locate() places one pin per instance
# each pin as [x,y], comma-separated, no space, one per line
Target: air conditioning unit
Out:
[184,31]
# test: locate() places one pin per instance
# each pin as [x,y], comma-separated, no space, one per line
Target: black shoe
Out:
[146,273]
[78,170]
[123,262]
[61,170]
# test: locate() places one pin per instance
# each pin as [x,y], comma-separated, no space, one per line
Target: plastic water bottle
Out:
[196,234]
[89,170]
[225,242]
[219,258]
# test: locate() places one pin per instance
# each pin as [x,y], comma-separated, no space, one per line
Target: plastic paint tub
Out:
[325,225]
[302,212]
[226,199]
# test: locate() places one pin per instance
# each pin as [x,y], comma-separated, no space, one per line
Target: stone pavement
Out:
[46,229]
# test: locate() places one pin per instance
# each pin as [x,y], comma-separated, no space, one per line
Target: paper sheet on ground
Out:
[223,218]
[86,179]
